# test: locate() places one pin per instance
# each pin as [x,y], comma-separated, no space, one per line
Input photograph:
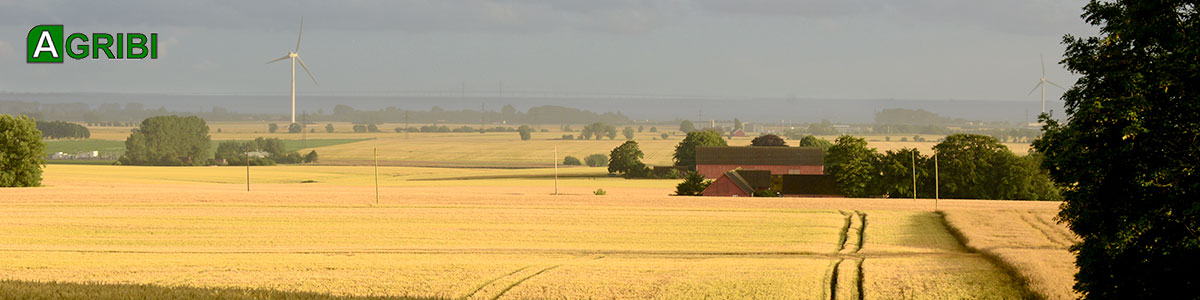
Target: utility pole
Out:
[914,171]
[376,155]
[555,170]
[247,167]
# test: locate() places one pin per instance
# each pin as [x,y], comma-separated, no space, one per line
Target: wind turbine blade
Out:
[301,34]
[1043,58]
[1055,84]
[301,61]
[279,59]
[1034,88]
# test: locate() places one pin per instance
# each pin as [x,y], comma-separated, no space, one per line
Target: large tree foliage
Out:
[685,151]
[22,152]
[854,167]
[167,141]
[812,141]
[626,159]
[1127,157]
[896,168]
[526,132]
[769,140]
[971,166]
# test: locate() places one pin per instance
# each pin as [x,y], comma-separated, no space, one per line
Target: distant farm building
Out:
[738,133]
[712,162]
[739,183]
[744,183]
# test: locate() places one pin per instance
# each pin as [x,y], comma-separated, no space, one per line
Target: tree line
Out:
[63,130]
[969,166]
[184,141]
[545,114]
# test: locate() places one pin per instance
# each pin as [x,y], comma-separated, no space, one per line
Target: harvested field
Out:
[190,229]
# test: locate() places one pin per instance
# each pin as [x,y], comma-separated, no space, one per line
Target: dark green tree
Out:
[628,133]
[525,132]
[686,126]
[329,128]
[571,161]
[693,184]
[372,128]
[626,158]
[769,140]
[653,129]
[813,141]
[311,157]
[685,151]
[896,173]
[596,130]
[167,141]
[272,127]
[295,128]
[22,152]
[1128,156]
[854,167]
[640,128]
[973,166]
[596,160]
[737,124]
[610,132]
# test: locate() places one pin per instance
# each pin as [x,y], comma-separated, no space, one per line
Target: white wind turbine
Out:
[295,56]
[1042,84]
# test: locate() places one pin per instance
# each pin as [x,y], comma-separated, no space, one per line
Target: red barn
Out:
[712,161]
[740,183]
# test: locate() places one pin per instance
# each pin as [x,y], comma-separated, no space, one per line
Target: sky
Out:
[847,49]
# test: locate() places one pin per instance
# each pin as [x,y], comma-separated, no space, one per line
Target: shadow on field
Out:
[16,289]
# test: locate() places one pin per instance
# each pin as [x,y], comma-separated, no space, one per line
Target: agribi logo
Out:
[45,44]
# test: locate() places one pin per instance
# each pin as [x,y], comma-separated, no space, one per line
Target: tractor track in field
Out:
[519,281]
[486,283]
[850,241]
[1053,236]
[1068,237]
[514,284]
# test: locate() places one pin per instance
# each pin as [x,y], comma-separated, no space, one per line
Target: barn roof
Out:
[740,182]
[757,179]
[788,156]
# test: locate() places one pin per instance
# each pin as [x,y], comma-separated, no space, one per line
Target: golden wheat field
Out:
[436,233]
[496,149]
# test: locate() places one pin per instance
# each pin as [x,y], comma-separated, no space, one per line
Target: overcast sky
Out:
[846,49]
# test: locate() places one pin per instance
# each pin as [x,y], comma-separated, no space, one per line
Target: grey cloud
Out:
[1009,16]
[408,15]
[805,8]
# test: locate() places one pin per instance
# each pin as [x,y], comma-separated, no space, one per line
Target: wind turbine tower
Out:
[295,56]
[1042,84]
